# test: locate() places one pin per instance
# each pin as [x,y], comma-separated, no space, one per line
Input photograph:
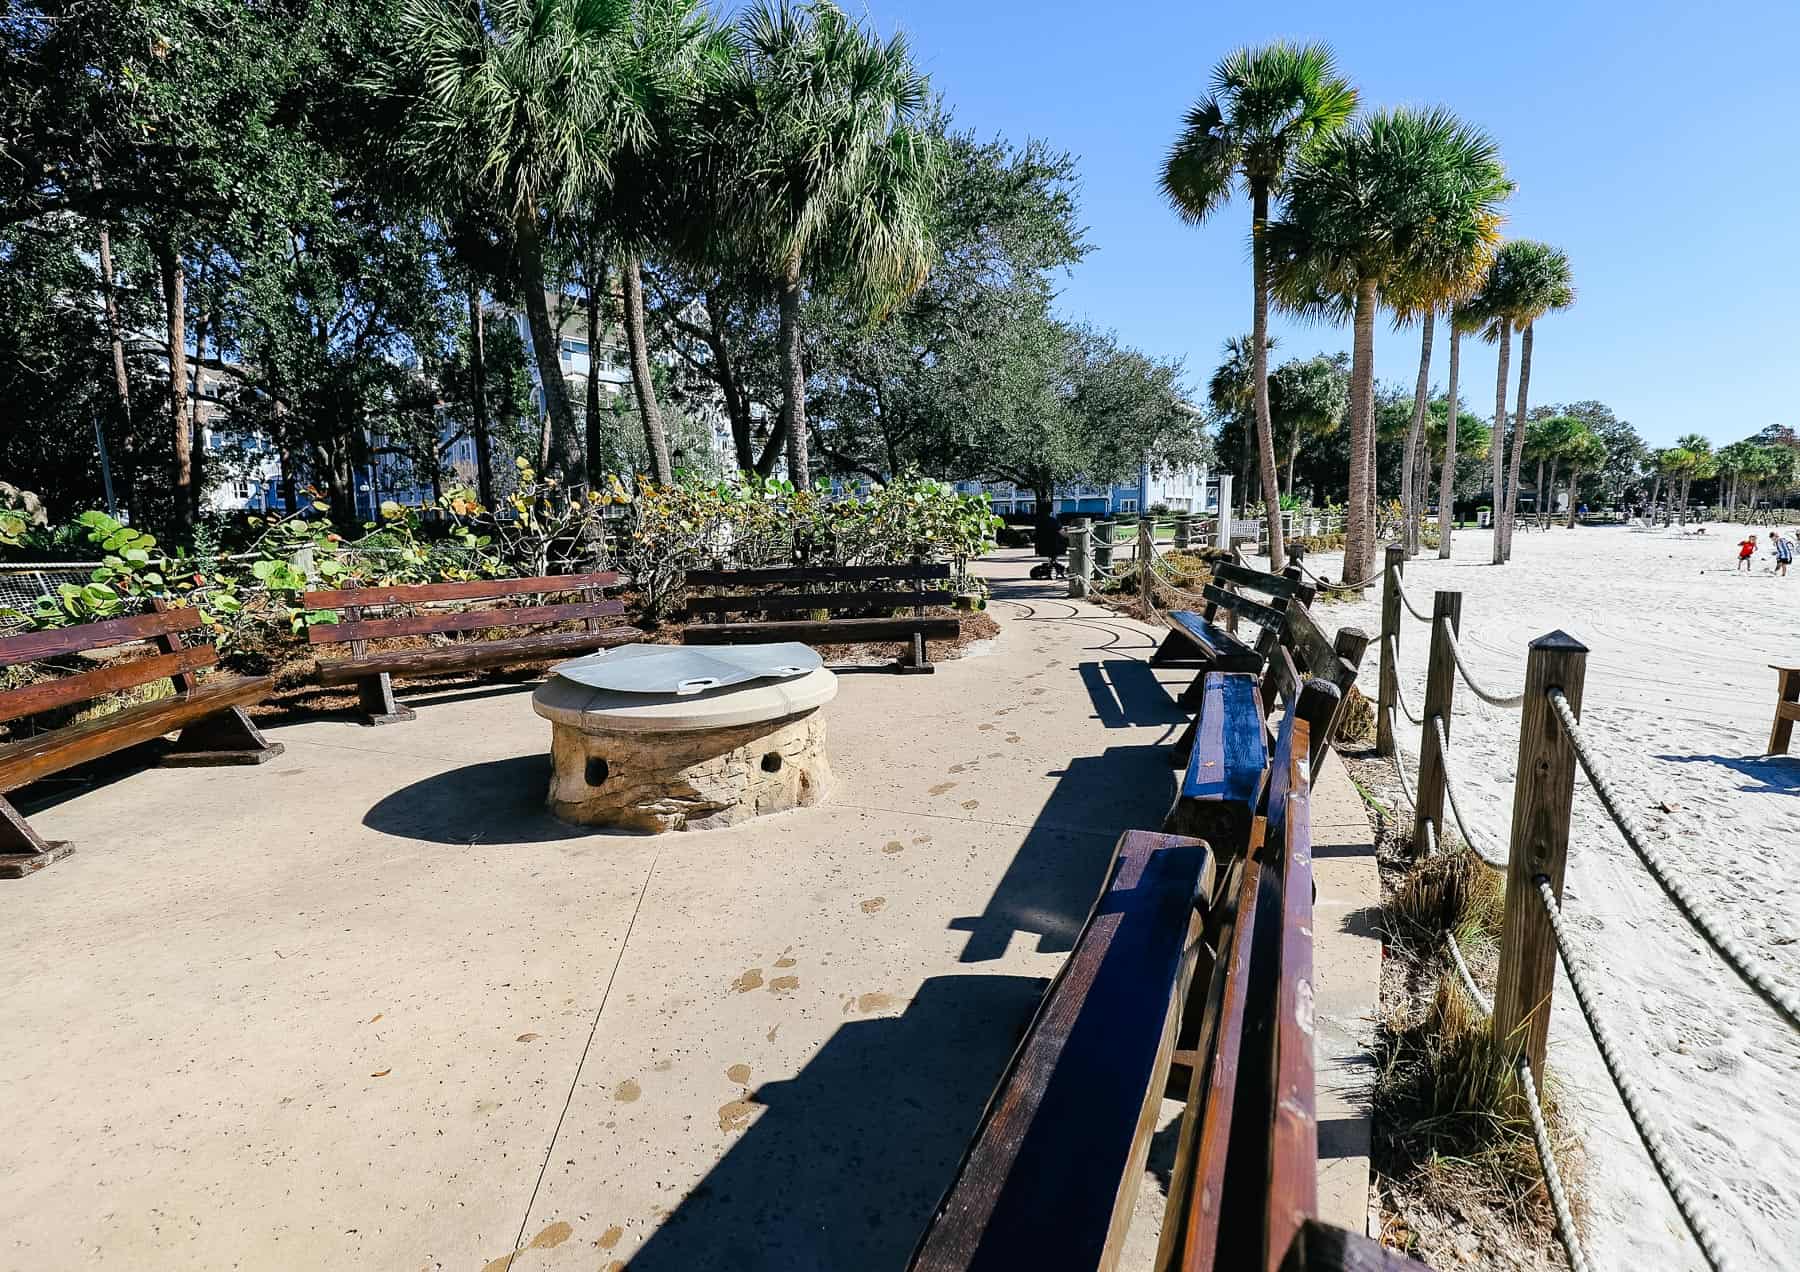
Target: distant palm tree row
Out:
[1396,210]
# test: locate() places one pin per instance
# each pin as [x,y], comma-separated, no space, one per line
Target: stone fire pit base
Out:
[687,781]
[660,762]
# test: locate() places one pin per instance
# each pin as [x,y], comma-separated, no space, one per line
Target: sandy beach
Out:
[1679,700]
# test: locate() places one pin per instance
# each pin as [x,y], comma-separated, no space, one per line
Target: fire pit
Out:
[657,738]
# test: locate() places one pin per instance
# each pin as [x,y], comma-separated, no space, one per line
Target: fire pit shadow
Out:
[494,802]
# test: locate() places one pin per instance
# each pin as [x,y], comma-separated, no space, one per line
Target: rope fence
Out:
[1553,750]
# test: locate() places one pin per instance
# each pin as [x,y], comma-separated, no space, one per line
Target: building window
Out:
[241,488]
[1127,505]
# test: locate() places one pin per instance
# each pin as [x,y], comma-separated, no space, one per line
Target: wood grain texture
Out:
[110,678]
[1267,617]
[1226,769]
[1543,798]
[1259,581]
[29,646]
[1224,652]
[473,653]
[459,621]
[838,631]
[818,574]
[1294,1141]
[1050,1178]
[475,590]
[791,601]
[25,762]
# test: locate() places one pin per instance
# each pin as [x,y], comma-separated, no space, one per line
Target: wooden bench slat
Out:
[122,674]
[814,600]
[1265,616]
[1224,651]
[818,574]
[22,763]
[837,631]
[1050,1177]
[474,590]
[1294,1141]
[1271,584]
[29,646]
[1224,779]
[471,654]
[459,621]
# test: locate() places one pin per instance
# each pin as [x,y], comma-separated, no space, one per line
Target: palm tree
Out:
[529,102]
[1586,453]
[1696,461]
[1232,392]
[1267,104]
[1530,279]
[1735,462]
[1368,209]
[820,137]
[1459,321]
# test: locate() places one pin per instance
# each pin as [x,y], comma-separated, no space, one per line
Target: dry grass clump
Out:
[1356,722]
[1453,1137]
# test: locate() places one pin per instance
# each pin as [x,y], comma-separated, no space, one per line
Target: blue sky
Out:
[1654,142]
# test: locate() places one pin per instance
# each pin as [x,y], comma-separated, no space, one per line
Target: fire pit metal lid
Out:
[684,670]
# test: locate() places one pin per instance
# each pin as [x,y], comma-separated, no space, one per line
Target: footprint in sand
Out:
[943,787]
[971,804]
[748,981]
[873,905]
[738,1073]
[893,846]
[782,984]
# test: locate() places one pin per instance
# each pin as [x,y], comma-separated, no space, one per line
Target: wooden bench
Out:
[1787,709]
[788,590]
[373,673]
[1050,1179]
[209,713]
[1209,640]
[1303,653]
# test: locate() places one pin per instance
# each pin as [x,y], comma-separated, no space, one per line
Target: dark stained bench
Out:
[373,673]
[776,595]
[1049,1180]
[1302,654]
[209,713]
[1787,709]
[1210,641]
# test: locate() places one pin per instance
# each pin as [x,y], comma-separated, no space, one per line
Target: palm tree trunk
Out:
[1293,462]
[793,379]
[1447,476]
[1518,446]
[1655,493]
[1408,461]
[174,280]
[1259,371]
[1574,480]
[478,422]
[596,288]
[655,440]
[546,347]
[1499,447]
[1359,537]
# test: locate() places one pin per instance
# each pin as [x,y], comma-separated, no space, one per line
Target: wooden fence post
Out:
[1184,531]
[1440,692]
[1543,795]
[1146,553]
[1081,559]
[1103,547]
[1390,648]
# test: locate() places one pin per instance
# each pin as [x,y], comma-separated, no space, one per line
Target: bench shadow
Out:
[1127,694]
[1050,884]
[1768,774]
[844,1162]
[494,802]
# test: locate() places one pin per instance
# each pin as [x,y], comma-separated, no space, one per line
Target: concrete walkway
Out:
[369,1006]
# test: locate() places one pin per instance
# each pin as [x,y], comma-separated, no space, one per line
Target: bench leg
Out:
[22,851]
[1177,649]
[917,663]
[378,701]
[227,737]
[1787,710]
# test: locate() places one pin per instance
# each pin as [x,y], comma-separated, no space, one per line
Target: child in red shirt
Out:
[1746,550]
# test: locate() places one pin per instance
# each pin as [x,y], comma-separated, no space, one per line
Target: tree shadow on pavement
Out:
[843,1164]
[1051,882]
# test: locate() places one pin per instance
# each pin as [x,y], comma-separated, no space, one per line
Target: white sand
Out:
[1679,700]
